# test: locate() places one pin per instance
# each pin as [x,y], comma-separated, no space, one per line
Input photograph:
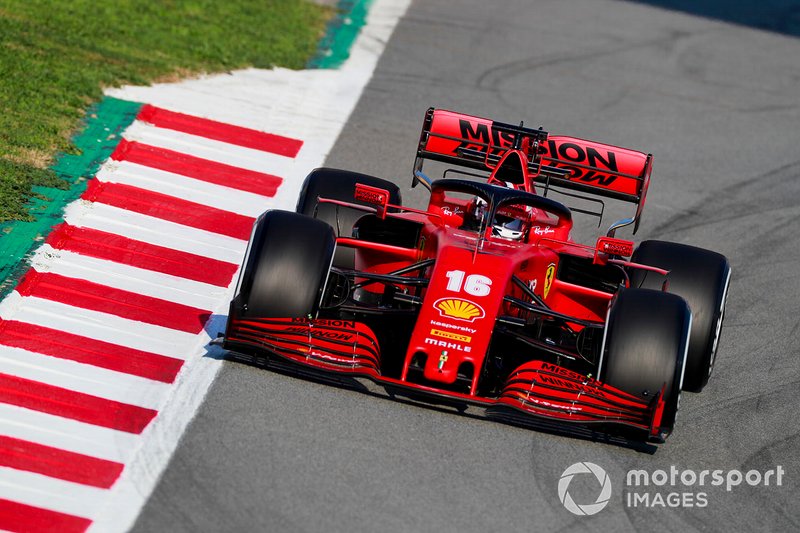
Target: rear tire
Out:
[701,277]
[286,267]
[339,185]
[646,339]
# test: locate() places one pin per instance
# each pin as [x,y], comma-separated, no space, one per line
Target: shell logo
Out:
[459,309]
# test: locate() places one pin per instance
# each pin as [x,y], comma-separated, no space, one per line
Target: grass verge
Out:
[55,58]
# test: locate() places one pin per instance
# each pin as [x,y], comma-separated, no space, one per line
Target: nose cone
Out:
[456,320]
[444,360]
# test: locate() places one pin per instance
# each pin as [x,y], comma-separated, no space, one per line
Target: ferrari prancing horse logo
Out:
[548,278]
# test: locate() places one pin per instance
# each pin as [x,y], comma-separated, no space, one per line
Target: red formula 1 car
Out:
[482,298]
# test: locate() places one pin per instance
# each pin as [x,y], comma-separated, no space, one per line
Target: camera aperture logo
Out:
[661,488]
[603,497]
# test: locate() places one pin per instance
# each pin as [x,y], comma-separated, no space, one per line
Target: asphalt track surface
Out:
[719,107]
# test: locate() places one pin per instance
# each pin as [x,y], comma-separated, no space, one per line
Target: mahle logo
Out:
[589,508]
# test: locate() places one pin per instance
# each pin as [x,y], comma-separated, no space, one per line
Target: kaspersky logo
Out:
[459,309]
[586,509]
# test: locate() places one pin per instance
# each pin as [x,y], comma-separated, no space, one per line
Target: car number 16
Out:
[474,284]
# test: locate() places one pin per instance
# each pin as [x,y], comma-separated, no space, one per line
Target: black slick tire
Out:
[339,185]
[702,278]
[645,343]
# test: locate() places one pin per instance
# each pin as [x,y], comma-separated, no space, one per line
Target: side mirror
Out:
[612,246]
[373,196]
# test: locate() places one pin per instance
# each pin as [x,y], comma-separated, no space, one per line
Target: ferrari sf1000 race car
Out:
[483,298]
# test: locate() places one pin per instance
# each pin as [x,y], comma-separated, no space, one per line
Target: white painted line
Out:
[161,438]
[309,105]
[99,326]
[82,378]
[50,493]
[275,101]
[126,277]
[201,192]
[154,231]
[218,151]
[67,434]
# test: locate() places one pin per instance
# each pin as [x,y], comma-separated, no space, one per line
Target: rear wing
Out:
[553,160]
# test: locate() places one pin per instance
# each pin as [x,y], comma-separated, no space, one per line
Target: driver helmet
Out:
[508,227]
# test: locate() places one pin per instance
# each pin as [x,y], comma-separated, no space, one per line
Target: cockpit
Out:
[498,212]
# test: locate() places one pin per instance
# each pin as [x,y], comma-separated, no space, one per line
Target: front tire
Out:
[701,277]
[286,267]
[647,334]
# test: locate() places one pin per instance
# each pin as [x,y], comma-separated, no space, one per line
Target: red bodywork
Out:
[475,282]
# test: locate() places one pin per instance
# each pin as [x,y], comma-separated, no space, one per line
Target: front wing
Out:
[536,389]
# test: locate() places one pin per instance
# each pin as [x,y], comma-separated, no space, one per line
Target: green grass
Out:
[57,55]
